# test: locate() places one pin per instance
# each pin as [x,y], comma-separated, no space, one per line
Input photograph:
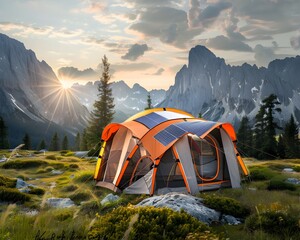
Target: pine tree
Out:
[42,145]
[27,142]
[149,102]
[265,129]
[77,142]
[259,133]
[199,115]
[54,146]
[65,143]
[3,135]
[291,139]
[83,142]
[270,144]
[244,136]
[103,111]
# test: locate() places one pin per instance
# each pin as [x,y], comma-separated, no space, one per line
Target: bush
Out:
[282,223]
[69,188]
[148,223]
[80,197]
[36,191]
[90,208]
[63,214]
[51,157]
[7,182]
[84,177]
[261,173]
[226,205]
[296,168]
[73,165]
[13,195]
[21,164]
[280,184]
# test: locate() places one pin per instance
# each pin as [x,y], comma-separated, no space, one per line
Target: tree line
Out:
[265,139]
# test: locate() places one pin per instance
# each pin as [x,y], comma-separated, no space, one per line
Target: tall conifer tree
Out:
[103,111]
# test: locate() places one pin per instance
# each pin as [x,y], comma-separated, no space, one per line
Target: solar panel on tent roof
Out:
[197,128]
[151,120]
[175,131]
[169,134]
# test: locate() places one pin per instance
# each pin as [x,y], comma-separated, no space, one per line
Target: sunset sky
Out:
[147,41]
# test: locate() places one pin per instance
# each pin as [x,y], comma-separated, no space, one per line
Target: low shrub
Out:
[280,184]
[63,214]
[226,205]
[73,166]
[261,173]
[51,157]
[36,191]
[84,177]
[79,197]
[21,164]
[69,188]
[13,195]
[146,223]
[69,154]
[7,182]
[278,222]
[296,168]
[90,208]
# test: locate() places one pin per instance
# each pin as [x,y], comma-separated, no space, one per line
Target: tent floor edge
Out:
[109,186]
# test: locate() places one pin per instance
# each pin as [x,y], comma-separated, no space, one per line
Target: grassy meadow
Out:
[273,206]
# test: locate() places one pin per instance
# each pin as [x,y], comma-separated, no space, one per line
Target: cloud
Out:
[135,51]
[224,43]
[25,29]
[125,67]
[262,18]
[295,41]
[205,17]
[158,72]
[170,25]
[75,73]
[264,55]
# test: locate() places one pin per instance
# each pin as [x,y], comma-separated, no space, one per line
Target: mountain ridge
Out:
[221,92]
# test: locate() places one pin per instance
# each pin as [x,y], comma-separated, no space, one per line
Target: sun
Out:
[65,84]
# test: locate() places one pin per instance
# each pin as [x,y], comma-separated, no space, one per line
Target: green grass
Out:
[76,182]
[7,182]
[13,195]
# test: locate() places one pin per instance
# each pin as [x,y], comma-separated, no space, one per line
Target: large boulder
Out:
[190,204]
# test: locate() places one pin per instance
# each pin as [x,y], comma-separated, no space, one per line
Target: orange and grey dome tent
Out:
[163,149]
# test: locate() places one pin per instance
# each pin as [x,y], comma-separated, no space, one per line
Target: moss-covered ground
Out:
[264,202]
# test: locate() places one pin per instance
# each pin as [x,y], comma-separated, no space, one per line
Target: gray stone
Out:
[109,199]
[23,186]
[230,220]
[288,170]
[293,181]
[190,204]
[56,172]
[60,202]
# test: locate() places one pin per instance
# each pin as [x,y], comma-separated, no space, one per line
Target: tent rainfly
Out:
[162,150]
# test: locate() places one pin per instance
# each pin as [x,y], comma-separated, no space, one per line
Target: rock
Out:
[56,172]
[81,154]
[293,181]
[32,212]
[60,202]
[288,170]
[23,186]
[230,220]
[192,205]
[109,199]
